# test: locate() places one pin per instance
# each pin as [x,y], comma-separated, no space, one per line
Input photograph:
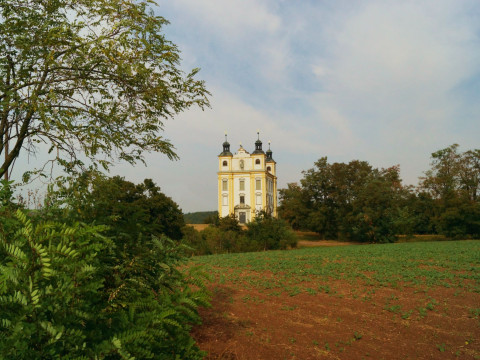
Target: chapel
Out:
[247,183]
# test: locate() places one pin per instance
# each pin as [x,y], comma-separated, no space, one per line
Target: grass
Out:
[423,238]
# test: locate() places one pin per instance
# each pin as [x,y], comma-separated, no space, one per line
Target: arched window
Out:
[225,163]
[269,168]
[257,162]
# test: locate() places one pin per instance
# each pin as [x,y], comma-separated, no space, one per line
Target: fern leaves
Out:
[66,292]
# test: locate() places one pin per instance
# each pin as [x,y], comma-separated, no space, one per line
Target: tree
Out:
[453,183]
[353,201]
[292,206]
[442,180]
[128,209]
[88,76]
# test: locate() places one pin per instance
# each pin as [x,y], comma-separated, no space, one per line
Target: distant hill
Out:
[198,217]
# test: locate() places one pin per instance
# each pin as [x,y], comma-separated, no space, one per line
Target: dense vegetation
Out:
[200,217]
[103,283]
[358,202]
[126,208]
[225,235]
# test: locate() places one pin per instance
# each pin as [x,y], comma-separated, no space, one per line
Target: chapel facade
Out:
[247,183]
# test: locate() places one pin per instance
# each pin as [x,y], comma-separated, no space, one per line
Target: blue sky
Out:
[388,82]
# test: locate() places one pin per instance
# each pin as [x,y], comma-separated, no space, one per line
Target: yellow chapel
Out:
[247,183]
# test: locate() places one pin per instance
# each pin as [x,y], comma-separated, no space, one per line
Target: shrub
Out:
[271,233]
[8,222]
[69,292]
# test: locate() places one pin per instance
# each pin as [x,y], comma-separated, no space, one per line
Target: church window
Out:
[224,200]
[257,162]
[269,168]
[242,199]
[242,185]
[224,185]
[258,184]
[258,200]
[225,163]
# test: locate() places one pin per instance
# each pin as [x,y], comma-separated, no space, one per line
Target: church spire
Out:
[258,145]
[226,147]
[269,153]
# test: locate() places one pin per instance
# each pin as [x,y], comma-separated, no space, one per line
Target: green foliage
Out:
[130,210]
[49,280]
[453,186]
[8,222]
[228,223]
[227,236]
[200,217]
[292,207]
[70,292]
[89,75]
[194,239]
[353,201]
[270,233]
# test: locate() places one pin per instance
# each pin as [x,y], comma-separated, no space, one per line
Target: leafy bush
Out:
[8,222]
[69,292]
[227,236]
[270,233]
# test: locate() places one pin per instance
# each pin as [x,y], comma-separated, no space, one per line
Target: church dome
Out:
[258,146]
[226,148]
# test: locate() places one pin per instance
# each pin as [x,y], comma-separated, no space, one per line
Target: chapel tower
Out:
[247,183]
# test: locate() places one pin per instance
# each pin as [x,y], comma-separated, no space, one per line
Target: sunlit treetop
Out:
[89,77]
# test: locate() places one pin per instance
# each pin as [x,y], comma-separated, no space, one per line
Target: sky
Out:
[388,82]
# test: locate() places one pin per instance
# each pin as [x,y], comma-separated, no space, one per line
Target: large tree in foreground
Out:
[88,76]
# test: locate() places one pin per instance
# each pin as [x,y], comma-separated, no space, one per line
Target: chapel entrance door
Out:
[242,218]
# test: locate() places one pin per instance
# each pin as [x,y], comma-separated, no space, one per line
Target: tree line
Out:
[358,202]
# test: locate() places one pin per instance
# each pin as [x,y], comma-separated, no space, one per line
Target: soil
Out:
[354,322]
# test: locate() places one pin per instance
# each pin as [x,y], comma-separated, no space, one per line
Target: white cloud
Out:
[388,79]
[198,137]
[377,80]
[232,18]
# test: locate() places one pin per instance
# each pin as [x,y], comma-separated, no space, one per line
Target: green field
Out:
[424,264]
[392,301]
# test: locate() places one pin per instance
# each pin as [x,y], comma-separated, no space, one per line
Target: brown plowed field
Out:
[348,320]
[248,324]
